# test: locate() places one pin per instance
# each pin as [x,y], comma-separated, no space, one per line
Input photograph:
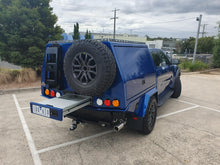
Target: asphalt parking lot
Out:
[187,131]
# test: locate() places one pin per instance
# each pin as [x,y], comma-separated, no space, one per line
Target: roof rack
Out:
[103,39]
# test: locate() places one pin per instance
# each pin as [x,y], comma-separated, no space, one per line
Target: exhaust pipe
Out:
[119,126]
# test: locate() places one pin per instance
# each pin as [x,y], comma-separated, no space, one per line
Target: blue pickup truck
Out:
[109,82]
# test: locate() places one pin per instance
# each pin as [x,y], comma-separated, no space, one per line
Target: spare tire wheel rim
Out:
[84,68]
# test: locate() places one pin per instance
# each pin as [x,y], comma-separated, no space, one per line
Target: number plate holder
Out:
[57,108]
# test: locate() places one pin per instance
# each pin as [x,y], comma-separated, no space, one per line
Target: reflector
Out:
[135,118]
[47,92]
[99,102]
[107,102]
[115,103]
[52,93]
[58,94]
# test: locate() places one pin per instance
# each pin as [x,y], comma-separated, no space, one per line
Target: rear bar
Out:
[57,108]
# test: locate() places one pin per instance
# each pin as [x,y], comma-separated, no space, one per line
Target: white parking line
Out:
[104,133]
[35,153]
[179,111]
[208,108]
[211,109]
[182,101]
[30,141]
[74,142]
[25,108]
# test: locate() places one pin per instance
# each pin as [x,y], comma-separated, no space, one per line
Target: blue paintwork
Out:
[137,78]
[143,102]
[165,76]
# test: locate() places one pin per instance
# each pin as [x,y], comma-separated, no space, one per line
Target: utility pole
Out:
[197,36]
[203,29]
[115,21]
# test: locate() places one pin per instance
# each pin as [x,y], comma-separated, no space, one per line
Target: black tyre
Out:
[177,88]
[89,67]
[150,117]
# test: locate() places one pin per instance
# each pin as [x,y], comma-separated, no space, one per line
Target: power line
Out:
[164,22]
[115,21]
[179,20]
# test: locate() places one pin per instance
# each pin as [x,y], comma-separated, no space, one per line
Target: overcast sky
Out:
[163,18]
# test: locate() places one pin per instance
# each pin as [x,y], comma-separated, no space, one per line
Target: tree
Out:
[25,28]
[147,37]
[216,52]
[88,35]
[205,45]
[188,45]
[76,31]
[178,47]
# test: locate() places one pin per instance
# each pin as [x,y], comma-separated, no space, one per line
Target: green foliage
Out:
[88,35]
[216,54]
[76,31]
[185,64]
[187,45]
[25,28]
[198,66]
[206,45]
[178,47]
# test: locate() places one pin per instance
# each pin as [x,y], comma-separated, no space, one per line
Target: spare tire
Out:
[89,67]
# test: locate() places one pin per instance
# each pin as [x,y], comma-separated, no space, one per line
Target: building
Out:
[169,46]
[158,44]
[128,37]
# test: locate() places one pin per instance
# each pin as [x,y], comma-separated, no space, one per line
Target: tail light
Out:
[107,102]
[99,102]
[58,94]
[52,94]
[47,92]
[115,103]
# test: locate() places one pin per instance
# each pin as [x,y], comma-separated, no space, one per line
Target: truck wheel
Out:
[150,117]
[177,88]
[89,67]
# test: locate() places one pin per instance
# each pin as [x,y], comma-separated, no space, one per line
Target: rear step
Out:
[57,108]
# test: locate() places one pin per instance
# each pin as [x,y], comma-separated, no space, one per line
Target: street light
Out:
[197,36]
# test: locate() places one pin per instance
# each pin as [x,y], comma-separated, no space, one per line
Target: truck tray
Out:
[57,108]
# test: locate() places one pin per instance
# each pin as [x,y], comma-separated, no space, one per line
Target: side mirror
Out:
[174,61]
[163,64]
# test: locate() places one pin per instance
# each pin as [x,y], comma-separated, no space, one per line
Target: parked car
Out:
[109,82]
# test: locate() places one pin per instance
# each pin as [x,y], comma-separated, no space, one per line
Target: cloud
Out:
[169,18]
[174,6]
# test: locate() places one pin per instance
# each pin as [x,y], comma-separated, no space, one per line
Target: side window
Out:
[164,59]
[160,58]
[156,58]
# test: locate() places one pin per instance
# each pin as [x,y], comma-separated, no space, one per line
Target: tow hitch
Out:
[74,124]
